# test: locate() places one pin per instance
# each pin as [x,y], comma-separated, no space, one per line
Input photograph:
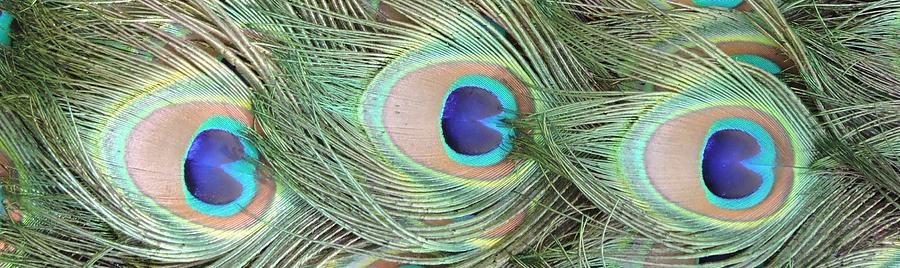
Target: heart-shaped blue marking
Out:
[472,121]
[738,163]
[220,168]
[469,121]
[215,159]
[726,171]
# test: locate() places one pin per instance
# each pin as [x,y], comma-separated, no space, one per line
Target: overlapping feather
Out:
[450,133]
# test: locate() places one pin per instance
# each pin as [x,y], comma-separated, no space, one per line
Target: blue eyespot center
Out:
[468,121]
[212,159]
[473,116]
[738,163]
[725,171]
[220,168]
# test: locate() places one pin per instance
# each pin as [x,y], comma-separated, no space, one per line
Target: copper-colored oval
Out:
[672,162]
[412,115]
[154,158]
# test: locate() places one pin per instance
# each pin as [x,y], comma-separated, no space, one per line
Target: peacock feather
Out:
[414,124]
[739,39]
[655,156]
[449,133]
[164,144]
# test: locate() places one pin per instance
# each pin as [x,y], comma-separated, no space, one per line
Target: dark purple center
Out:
[723,173]
[466,119]
[203,173]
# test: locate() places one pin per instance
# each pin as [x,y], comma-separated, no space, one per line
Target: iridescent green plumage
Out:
[122,127]
[470,133]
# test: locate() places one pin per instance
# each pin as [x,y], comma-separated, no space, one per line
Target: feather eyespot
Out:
[739,158]
[738,163]
[219,168]
[763,55]
[445,115]
[738,39]
[718,157]
[184,150]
